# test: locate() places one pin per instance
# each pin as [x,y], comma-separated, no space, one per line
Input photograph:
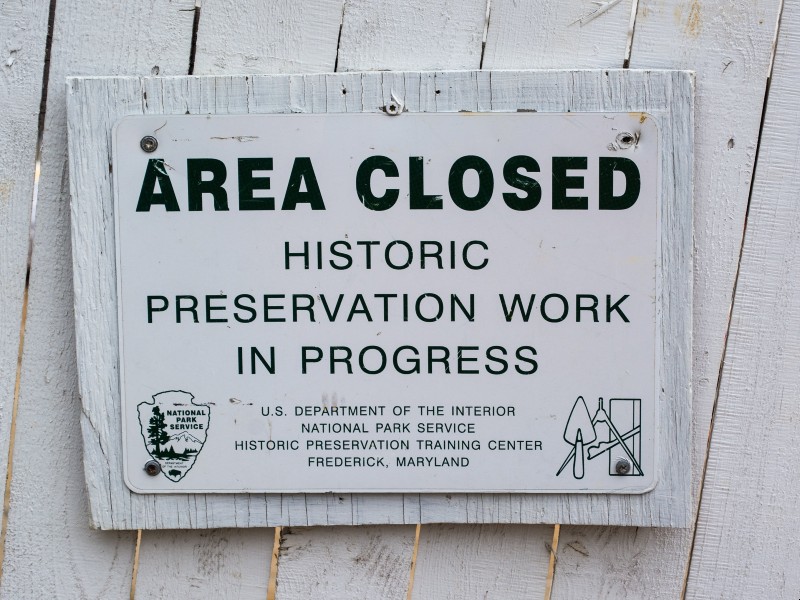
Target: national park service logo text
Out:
[174,430]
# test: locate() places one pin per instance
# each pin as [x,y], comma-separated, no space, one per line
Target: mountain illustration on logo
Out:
[174,430]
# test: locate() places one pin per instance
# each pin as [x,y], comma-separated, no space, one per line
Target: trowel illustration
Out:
[579,431]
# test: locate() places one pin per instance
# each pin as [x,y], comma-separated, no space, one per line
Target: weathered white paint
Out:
[250,36]
[95,104]
[549,35]
[731,57]
[749,545]
[461,561]
[215,563]
[23,31]
[417,34]
[48,521]
[345,563]
[621,562]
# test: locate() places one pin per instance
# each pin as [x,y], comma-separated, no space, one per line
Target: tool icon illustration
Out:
[579,431]
[582,429]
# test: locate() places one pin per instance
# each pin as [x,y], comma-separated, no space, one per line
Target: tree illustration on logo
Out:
[173,428]
[157,431]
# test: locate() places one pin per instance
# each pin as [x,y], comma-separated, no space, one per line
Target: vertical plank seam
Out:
[412,571]
[626,61]
[551,567]
[195,28]
[135,572]
[272,582]
[734,289]
[51,15]
[487,20]
[13,427]
[339,38]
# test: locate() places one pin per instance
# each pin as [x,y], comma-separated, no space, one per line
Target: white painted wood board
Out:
[48,521]
[345,563]
[621,562]
[748,527]
[196,565]
[95,104]
[491,562]
[420,35]
[557,35]
[283,36]
[731,59]
[23,33]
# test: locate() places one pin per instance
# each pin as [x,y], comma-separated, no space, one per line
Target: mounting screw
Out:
[394,107]
[148,143]
[152,468]
[623,466]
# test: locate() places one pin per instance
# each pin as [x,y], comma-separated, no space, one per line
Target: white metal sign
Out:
[361,302]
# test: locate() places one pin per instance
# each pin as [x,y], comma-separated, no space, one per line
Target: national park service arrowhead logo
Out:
[174,429]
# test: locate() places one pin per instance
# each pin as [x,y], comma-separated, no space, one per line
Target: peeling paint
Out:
[6,187]
[693,23]
[238,138]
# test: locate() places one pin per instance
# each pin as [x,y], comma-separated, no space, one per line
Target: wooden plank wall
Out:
[746,306]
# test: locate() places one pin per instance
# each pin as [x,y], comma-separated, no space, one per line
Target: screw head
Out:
[152,468]
[394,107]
[148,143]
[623,466]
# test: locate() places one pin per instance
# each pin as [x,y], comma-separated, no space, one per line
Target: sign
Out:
[457,302]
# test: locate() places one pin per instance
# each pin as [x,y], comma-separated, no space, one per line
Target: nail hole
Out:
[626,139]
[731,144]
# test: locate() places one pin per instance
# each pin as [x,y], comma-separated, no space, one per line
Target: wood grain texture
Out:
[550,35]
[345,563]
[283,36]
[619,562]
[49,520]
[414,35]
[728,44]
[197,565]
[97,103]
[482,562]
[23,33]
[749,525]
